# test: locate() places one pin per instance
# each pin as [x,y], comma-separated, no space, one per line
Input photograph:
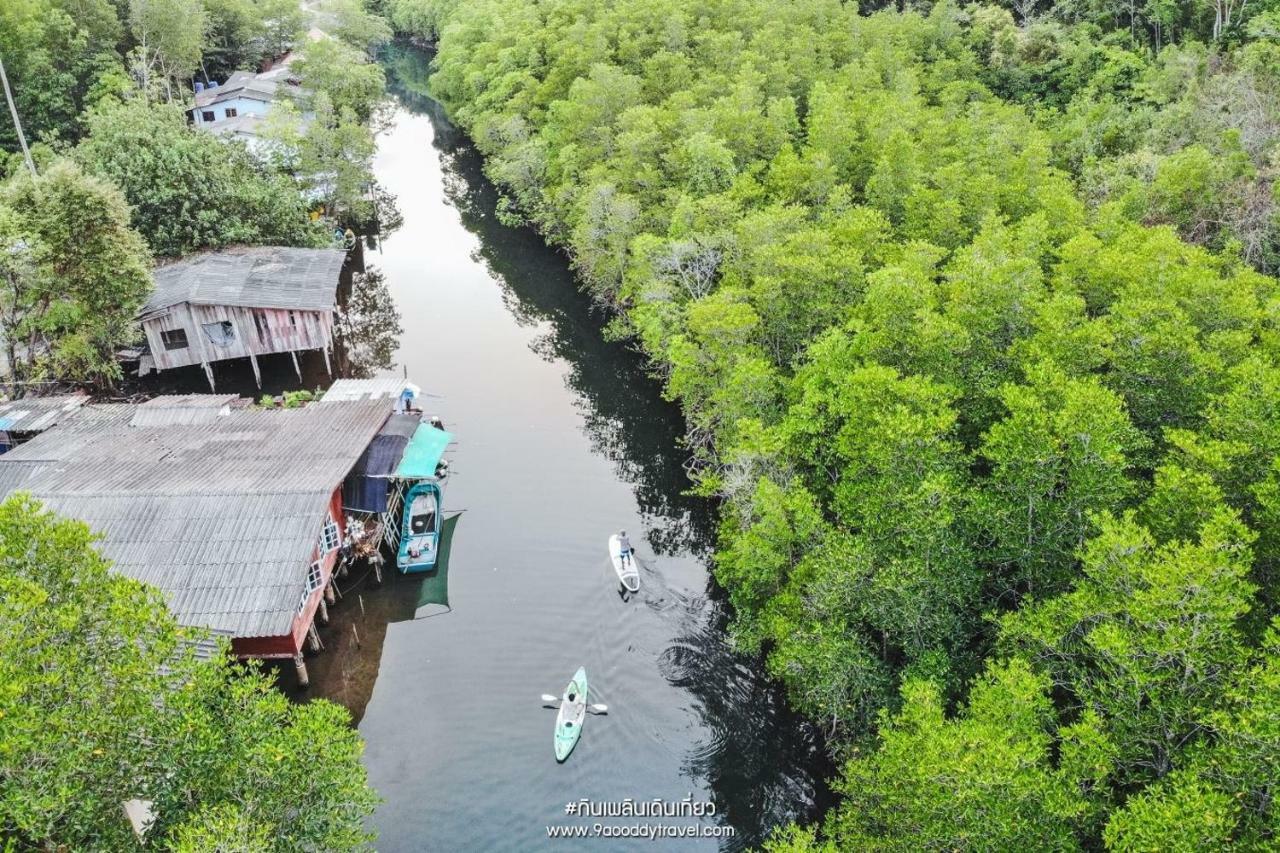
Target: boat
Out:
[625,569]
[573,710]
[420,528]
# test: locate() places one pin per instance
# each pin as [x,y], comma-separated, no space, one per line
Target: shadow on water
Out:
[763,765]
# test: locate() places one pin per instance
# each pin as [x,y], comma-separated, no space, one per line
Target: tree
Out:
[986,779]
[342,74]
[1149,638]
[283,23]
[103,701]
[171,38]
[188,189]
[60,58]
[1059,457]
[351,22]
[74,276]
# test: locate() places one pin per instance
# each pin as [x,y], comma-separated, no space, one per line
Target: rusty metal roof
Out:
[221,514]
[250,277]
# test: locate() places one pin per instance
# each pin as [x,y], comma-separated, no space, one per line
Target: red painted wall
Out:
[290,644]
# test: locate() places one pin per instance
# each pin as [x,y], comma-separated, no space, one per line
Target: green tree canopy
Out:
[102,701]
[73,276]
[190,190]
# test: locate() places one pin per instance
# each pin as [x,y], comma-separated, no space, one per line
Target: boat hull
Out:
[420,526]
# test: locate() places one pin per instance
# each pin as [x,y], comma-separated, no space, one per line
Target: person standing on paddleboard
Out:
[624,547]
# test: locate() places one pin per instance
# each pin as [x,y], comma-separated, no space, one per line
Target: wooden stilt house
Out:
[242,302]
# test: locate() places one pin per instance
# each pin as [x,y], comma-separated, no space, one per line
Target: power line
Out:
[17,122]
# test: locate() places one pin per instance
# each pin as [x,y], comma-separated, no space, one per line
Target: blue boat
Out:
[420,528]
[422,469]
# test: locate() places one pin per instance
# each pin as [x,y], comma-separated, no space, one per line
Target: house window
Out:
[207,115]
[330,538]
[293,319]
[260,323]
[173,338]
[221,333]
[231,112]
[315,577]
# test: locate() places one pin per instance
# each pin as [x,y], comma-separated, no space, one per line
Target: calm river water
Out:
[561,440]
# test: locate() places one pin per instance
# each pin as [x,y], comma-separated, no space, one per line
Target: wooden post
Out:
[323,612]
[377,567]
[257,374]
[313,639]
[328,368]
[296,369]
[198,332]
[328,593]
[300,667]
[248,347]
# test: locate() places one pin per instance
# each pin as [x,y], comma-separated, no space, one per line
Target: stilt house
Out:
[234,512]
[243,302]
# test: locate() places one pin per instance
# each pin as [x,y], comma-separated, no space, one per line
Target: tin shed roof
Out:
[33,414]
[222,514]
[251,277]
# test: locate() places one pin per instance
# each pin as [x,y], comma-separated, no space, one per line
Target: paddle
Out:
[595,709]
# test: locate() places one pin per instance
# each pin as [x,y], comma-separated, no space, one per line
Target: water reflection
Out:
[625,415]
[367,327]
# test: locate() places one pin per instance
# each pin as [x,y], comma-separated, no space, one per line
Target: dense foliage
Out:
[968,313]
[188,189]
[115,78]
[103,702]
[72,275]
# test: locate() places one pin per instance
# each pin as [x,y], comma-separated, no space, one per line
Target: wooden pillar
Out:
[313,639]
[253,359]
[296,369]
[257,374]
[198,332]
[329,594]
[323,612]
[377,566]
[300,667]
[328,368]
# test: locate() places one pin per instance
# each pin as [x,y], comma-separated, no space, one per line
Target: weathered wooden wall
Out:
[305,331]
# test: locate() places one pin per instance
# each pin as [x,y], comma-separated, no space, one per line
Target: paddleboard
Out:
[626,569]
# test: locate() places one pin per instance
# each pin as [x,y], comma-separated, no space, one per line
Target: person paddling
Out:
[624,547]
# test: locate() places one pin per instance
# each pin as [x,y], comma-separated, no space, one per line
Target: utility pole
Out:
[17,122]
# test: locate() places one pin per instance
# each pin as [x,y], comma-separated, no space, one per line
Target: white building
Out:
[237,107]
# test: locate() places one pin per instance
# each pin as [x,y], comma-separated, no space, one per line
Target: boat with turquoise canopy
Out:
[422,517]
[573,710]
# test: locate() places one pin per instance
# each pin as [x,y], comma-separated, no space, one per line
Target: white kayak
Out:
[624,565]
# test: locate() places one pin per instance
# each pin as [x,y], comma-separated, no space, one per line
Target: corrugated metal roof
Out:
[367,389]
[173,410]
[251,277]
[33,414]
[221,515]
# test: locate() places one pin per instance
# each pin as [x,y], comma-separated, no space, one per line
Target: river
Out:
[561,439]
